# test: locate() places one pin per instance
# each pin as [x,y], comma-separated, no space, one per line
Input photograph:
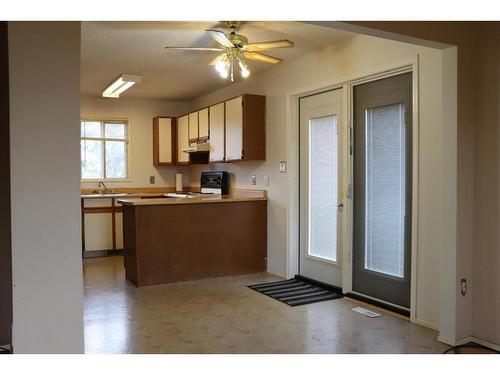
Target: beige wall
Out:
[5,242]
[360,56]
[140,113]
[44,73]
[486,250]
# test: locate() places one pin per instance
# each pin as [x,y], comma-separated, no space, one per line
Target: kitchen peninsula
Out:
[175,239]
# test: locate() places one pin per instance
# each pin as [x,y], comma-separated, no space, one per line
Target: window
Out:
[385,201]
[104,150]
[323,187]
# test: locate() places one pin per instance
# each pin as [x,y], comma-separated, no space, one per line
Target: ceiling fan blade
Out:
[220,38]
[262,58]
[217,59]
[195,49]
[271,44]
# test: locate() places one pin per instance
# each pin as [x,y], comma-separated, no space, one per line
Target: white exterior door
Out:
[320,192]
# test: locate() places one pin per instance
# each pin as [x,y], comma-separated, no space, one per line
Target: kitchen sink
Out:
[109,193]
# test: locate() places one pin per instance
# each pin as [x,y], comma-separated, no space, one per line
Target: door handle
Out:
[340,206]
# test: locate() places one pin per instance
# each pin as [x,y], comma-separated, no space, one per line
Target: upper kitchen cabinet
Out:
[203,125]
[216,118]
[164,150]
[193,127]
[182,139]
[245,128]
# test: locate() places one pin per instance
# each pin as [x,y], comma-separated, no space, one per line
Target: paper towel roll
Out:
[178,182]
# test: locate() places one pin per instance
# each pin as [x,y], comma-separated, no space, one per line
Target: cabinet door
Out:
[163,141]
[193,127]
[98,225]
[98,231]
[203,127]
[217,133]
[182,139]
[234,129]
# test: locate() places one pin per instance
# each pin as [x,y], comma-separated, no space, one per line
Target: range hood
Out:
[198,147]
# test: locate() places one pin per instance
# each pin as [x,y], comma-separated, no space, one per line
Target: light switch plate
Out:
[254,180]
[152,180]
[282,166]
[266,180]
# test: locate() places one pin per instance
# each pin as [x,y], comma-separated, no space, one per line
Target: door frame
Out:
[293,223]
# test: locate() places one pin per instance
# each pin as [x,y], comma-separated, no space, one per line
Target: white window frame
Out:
[103,140]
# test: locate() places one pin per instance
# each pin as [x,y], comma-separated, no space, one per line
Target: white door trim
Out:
[292,107]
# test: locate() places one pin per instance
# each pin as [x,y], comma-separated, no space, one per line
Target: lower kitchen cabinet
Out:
[98,231]
[98,218]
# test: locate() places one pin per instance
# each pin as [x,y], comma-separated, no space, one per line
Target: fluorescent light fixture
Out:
[120,85]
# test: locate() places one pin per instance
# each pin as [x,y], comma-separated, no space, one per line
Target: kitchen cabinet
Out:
[203,125]
[164,151]
[245,118]
[102,225]
[235,129]
[98,223]
[158,249]
[193,127]
[216,119]
[182,139]
[98,231]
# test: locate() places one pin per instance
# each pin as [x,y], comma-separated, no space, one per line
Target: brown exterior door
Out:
[382,189]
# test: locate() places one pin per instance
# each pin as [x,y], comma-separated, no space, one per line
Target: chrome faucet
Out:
[101,183]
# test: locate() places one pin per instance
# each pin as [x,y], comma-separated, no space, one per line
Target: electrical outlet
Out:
[152,180]
[282,166]
[463,287]
[266,180]
[254,180]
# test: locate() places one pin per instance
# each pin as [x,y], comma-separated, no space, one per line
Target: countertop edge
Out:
[172,201]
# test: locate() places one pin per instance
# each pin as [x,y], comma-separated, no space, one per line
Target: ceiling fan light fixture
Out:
[221,65]
[224,74]
[244,68]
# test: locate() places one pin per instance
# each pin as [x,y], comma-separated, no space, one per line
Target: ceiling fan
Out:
[235,49]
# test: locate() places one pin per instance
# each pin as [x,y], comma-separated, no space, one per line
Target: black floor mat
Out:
[295,292]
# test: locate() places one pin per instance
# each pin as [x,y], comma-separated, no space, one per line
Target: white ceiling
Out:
[112,48]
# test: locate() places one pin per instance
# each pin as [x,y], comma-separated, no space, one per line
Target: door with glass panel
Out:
[382,190]
[320,205]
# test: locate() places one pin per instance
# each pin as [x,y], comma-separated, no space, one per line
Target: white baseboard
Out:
[425,324]
[467,340]
[447,340]
[484,343]
[463,341]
